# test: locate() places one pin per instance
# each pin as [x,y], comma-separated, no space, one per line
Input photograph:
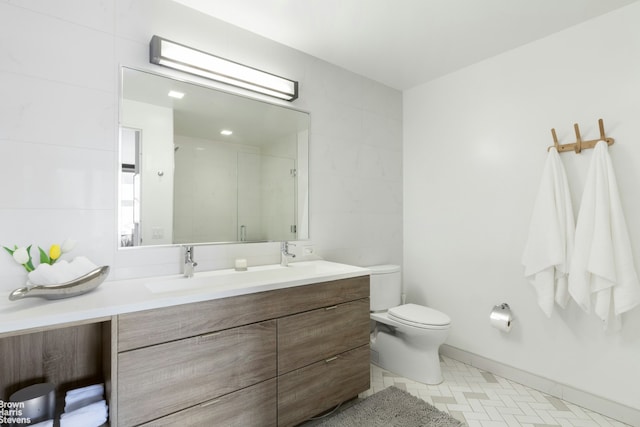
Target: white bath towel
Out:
[79,397]
[46,274]
[61,272]
[549,245]
[93,415]
[602,267]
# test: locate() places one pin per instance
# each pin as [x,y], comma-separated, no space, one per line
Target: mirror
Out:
[199,165]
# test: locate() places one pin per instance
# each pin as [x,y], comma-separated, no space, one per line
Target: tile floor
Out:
[482,399]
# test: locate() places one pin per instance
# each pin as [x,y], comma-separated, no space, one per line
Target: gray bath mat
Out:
[391,407]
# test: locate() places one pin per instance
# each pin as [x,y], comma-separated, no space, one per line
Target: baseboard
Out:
[582,398]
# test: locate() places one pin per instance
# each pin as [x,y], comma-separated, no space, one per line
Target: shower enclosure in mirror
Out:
[198,165]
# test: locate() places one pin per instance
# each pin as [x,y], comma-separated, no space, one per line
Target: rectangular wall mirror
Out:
[198,165]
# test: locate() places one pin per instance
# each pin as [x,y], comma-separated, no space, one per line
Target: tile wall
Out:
[58,135]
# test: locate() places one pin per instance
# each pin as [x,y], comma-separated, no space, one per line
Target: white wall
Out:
[474,147]
[59,120]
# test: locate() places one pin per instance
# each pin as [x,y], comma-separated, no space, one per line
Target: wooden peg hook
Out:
[578,147]
[601,126]
[555,139]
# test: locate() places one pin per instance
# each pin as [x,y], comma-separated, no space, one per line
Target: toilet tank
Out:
[386,287]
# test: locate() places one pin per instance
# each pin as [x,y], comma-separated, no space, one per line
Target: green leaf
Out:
[44,258]
[29,264]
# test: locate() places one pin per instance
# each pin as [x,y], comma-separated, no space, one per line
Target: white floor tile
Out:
[483,399]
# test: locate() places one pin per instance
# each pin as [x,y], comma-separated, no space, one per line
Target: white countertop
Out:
[126,296]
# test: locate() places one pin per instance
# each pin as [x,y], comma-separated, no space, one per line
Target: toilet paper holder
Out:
[501,317]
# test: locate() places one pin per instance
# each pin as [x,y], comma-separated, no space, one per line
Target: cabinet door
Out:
[313,389]
[253,406]
[306,338]
[159,380]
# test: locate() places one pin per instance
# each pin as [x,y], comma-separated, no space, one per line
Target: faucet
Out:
[189,263]
[284,253]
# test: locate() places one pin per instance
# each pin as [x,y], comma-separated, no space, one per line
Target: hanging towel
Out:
[550,243]
[602,268]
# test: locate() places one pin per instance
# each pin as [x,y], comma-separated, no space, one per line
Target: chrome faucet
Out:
[284,253]
[189,263]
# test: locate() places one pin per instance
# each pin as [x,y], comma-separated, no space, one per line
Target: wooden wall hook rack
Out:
[580,145]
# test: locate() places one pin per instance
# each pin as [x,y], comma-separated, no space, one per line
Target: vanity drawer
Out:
[310,390]
[253,406]
[166,378]
[310,297]
[150,327]
[316,335]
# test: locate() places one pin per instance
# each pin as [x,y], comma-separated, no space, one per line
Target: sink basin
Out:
[298,273]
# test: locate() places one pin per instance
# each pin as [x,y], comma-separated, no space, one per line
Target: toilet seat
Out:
[419,316]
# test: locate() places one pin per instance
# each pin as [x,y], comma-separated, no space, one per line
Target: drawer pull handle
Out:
[209,335]
[333,307]
[331,359]
[209,403]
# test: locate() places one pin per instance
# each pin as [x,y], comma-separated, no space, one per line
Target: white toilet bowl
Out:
[406,338]
[408,347]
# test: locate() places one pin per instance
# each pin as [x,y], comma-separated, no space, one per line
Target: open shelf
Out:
[67,356]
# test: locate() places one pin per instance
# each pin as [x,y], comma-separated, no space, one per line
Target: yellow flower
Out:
[54,252]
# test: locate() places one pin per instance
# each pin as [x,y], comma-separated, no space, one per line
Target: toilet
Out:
[406,337]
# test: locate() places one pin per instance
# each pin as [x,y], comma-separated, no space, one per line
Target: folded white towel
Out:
[80,266]
[549,245]
[602,267]
[46,274]
[90,389]
[61,272]
[93,415]
[77,398]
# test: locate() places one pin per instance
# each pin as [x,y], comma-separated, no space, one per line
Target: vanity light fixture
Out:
[175,94]
[174,55]
[226,132]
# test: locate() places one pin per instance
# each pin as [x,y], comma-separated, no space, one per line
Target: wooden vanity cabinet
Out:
[272,358]
[264,359]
